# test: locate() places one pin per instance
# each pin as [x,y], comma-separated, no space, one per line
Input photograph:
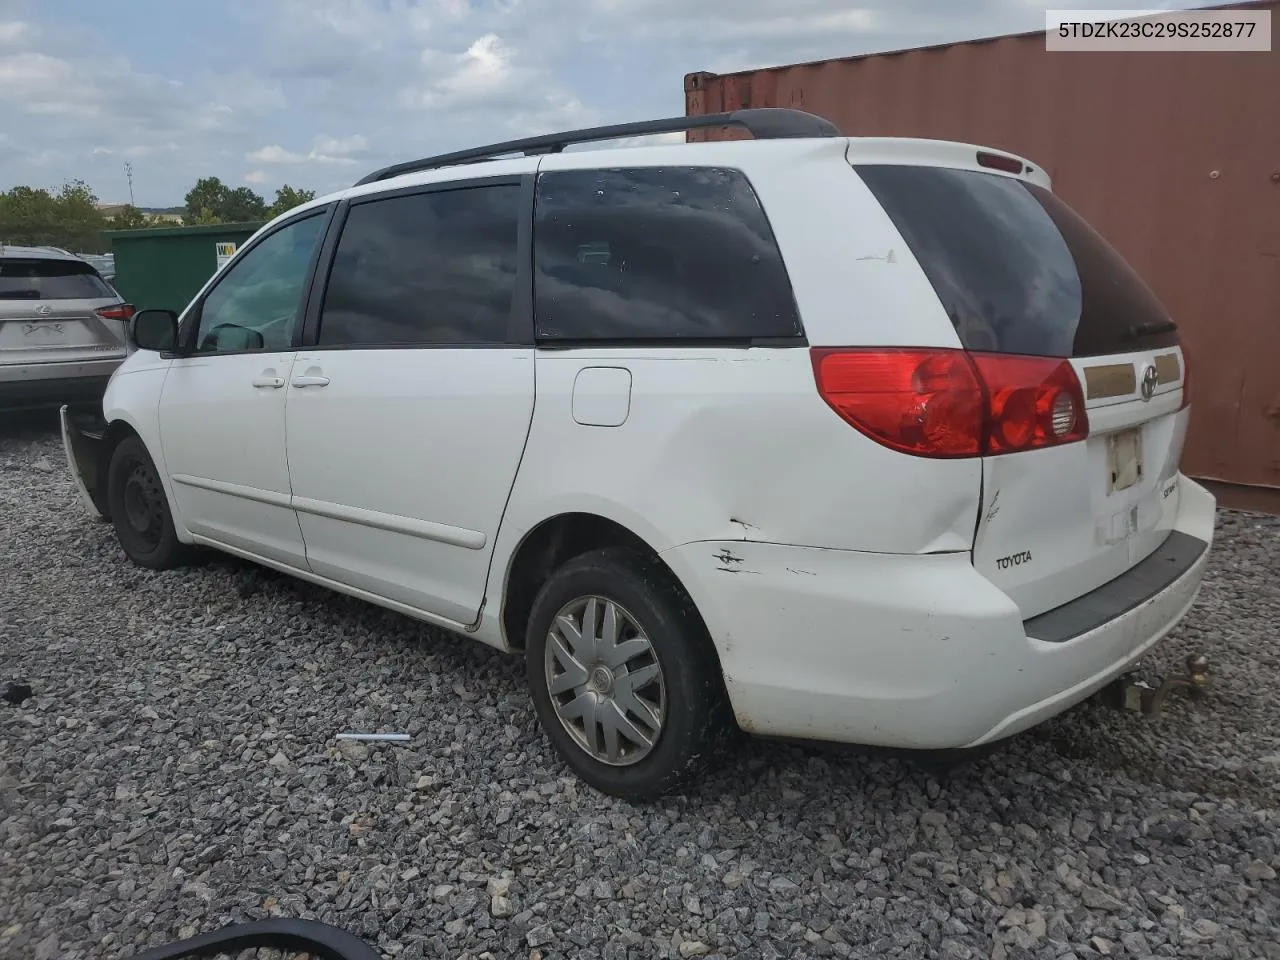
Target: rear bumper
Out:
[53,384]
[911,651]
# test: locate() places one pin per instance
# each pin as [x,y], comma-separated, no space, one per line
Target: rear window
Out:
[1017,270]
[657,254]
[51,280]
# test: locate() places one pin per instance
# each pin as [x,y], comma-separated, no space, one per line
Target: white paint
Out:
[843,584]
[401,465]
[602,396]
[1056,503]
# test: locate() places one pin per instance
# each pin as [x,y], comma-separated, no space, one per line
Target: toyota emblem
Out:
[43,310]
[1150,380]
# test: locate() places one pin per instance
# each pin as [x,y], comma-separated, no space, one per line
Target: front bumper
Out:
[916,651]
[85,447]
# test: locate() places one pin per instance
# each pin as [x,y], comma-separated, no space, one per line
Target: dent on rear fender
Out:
[762,459]
[950,514]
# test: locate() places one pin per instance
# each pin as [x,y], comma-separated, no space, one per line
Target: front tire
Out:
[139,508]
[623,676]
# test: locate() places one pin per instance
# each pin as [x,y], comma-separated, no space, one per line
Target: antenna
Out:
[128,172]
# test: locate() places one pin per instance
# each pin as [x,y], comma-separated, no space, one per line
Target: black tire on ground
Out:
[140,508]
[698,725]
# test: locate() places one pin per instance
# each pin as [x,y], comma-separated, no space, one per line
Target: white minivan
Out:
[858,440]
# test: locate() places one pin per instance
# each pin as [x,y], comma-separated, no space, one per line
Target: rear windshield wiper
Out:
[1150,329]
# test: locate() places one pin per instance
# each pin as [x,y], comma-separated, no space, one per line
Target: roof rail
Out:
[763,123]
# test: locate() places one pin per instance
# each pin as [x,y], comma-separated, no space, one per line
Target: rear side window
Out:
[39,279]
[1017,270]
[427,268]
[653,253]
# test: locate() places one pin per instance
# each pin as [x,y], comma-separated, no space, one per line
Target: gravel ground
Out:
[176,770]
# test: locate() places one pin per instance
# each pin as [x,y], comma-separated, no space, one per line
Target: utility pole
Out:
[128,172]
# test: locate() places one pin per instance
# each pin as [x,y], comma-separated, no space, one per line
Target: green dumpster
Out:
[166,266]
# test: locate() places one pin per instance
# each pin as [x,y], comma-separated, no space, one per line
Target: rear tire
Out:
[623,676]
[140,509]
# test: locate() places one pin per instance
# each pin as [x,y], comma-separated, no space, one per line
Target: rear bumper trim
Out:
[45,385]
[1171,560]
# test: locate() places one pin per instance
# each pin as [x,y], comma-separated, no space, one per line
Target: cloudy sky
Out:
[317,92]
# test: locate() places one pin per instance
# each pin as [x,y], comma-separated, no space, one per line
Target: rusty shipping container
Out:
[1174,158]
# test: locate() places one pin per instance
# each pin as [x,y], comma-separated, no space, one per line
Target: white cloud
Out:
[341,146]
[11,31]
[139,150]
[324,150]
[484,71]
[243,96]
[274,153]
[46,85]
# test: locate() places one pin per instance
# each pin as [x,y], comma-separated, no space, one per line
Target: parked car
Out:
[858,440]
[62,328]
[104,263]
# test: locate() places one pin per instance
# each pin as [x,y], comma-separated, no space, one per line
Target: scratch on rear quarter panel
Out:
[889,257]
[995,506]
[724,556]
[807,573]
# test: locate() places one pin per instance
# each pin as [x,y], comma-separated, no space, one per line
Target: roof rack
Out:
[763,123]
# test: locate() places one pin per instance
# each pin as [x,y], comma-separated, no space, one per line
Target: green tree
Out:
[130,218]
[212,201]
[27,216]
[287,198]
[69,219]
[203,217]
[206,199]
[243,205]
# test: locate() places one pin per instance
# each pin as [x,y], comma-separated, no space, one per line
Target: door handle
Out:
[264,381]
[310,381]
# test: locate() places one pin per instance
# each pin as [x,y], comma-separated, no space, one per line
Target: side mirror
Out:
[154,330]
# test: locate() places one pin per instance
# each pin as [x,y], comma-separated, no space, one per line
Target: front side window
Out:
[255,305]
[654,253]
[425,268]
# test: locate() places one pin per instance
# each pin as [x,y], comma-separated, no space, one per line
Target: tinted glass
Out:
[51,280]
[1016,269]
[255,303]
[657,253]
[426,268]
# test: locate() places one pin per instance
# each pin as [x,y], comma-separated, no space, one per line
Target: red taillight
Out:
[950,403]
[926,402]
[998,161]
[121,311]
[1032,402]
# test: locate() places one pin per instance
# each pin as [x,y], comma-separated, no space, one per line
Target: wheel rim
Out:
[605,681]
[144,504]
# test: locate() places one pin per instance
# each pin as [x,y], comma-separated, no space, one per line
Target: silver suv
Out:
[62,328]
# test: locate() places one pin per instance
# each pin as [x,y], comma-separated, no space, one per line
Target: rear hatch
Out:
[1020,274]
[51,310]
